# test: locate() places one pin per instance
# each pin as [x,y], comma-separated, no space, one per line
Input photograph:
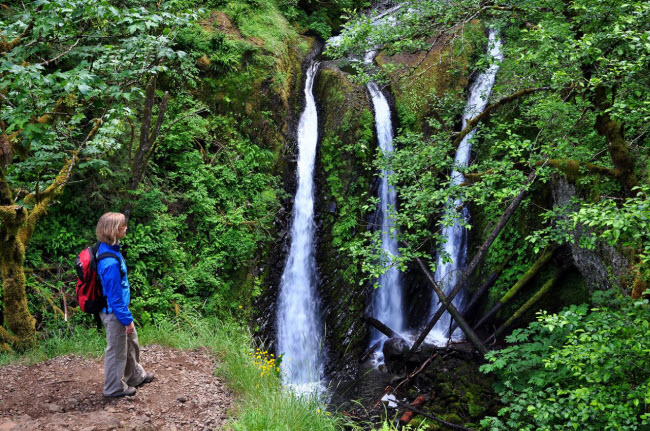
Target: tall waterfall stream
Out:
[387,299]
[455,246]
[299,326]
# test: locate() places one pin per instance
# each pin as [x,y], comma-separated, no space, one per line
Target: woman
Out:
[122,369]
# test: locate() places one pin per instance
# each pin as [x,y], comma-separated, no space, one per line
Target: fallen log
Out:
[471,336]
[369,351]
[381,327]
[528,275]
[524,308]
[481,290]
[410,414]
[432,417]
[478,258]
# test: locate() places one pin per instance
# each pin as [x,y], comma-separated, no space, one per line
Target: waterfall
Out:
[455,246]
[298,324]
[387,299]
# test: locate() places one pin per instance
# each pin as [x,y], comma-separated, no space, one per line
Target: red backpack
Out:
[90,296]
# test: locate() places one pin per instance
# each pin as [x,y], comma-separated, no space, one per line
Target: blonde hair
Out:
[109,226]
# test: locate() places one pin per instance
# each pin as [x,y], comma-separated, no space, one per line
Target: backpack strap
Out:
[108,254]
[98,321]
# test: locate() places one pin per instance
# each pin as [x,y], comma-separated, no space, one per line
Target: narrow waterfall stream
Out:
[387,298]
[299,321]
[455,246]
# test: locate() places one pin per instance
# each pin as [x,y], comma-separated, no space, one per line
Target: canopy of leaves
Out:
[71,65]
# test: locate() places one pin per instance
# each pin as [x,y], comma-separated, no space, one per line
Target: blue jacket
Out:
[114,284]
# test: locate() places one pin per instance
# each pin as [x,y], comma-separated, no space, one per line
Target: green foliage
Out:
[82,64]
[206,207]
[554,373]
[626,223]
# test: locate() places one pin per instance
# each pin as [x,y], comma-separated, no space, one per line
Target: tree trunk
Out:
[18,321]
[532,272]
[527,306]
[471,336]
[17,317]
[619,150]
[148,138]
[16,230]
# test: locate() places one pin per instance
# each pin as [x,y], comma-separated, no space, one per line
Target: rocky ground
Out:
[65,393]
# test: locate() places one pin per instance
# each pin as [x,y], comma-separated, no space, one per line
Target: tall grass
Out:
[81,341]
[261,402]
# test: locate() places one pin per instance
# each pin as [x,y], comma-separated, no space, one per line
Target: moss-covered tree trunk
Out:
[18,224]
[619,149]
[17,318]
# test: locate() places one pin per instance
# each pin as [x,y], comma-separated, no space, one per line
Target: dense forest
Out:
[188,117]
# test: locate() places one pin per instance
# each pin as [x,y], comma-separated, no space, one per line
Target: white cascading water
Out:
[455,247]
[298,324]
[387,299]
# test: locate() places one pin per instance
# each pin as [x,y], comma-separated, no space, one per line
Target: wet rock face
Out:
[343,177]
[272,258]
[602,267]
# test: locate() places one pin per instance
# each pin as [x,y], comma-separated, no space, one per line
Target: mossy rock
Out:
[343,180]
[462,393]
[424,76]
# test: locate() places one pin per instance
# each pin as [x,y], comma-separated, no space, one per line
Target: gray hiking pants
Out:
[122,361]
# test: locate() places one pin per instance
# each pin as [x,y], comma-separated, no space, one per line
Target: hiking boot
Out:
[128,392]
[148,378]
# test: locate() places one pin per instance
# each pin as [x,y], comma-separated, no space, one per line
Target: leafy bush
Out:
[583,368]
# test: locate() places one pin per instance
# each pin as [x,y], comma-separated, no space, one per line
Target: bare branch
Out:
[48,62]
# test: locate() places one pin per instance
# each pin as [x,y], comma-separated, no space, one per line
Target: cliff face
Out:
[603,267]
[346,180]
[261,97]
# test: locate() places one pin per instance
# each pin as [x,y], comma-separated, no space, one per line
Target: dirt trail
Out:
[65,393]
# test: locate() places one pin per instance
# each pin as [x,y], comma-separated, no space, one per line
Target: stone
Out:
[55,408]
[395,350]
[8,425]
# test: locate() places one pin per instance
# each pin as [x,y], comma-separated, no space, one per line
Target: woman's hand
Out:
[129,328]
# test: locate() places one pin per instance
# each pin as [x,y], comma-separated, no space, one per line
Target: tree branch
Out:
[571,168]
[48,62]
[6,340]
[472,123]
[44,198]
